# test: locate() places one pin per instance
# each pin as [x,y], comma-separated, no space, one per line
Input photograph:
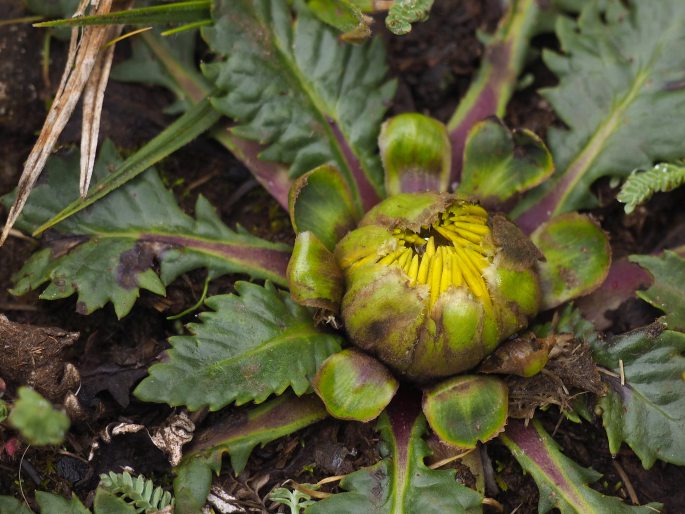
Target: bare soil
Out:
[434,65]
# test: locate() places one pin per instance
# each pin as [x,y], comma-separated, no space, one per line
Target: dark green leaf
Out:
[239,431]
[667,291]
[10,505]
[618,86]
[106,252]
[37,420]
[296,90]
[51,503]
[253,345]
[191,486]
[167,62]
[563,484]
[106,502]
[194,122]
[401,483]
[648,410]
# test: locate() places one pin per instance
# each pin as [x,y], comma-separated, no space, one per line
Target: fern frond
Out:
[140,493]
[642,184]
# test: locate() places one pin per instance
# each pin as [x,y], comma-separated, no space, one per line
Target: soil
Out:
[433,64]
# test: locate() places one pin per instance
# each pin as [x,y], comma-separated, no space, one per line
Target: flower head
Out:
[434,283]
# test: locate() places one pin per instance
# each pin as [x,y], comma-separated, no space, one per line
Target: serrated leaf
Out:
[238,432]
[306,98]
[641,185]
[620,78]
[254,344]
[167,62]
[563,484]
[403,13]
[198,119]
[401,483]
[666,292]
[50,503]
[106,252]
[37,420]
[648,411]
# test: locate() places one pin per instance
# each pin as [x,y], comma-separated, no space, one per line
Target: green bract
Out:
[443,285]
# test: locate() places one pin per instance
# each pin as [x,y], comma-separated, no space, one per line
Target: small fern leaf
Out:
[642,184]
[403,13]
[138,493]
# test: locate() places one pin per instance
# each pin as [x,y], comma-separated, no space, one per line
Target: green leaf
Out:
[401,483]
[666,292]
[320,202]
[191,486]
[405,12]
[577,257]
[256,343]
[238,432]
[106,252]
[106,502]
[10,505]
[618,85]
[50,503]
[466,409]
[344,16]
[416,154]
[177,12]
[37,420]
[314,278]
[296,90]
[136,492]
[563,484]
[641,185]
[194,122]
[648,411]
[498,76]
[167,62]
[499,163]
[354,385]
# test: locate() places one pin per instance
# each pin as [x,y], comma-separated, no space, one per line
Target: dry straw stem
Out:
[87,68]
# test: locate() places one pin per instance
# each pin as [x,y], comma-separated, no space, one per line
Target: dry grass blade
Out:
[93,98]
[82,58]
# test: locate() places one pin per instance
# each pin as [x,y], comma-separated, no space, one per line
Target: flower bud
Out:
[435,283]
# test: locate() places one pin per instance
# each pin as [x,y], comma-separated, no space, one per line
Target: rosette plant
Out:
[407,280]
[426,284]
